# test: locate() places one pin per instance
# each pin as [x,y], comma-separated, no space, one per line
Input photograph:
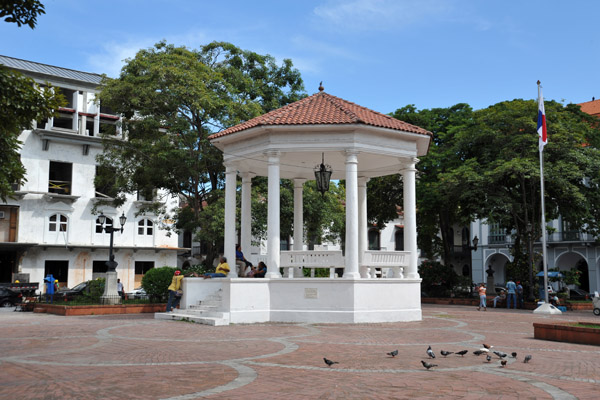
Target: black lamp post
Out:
[322,176]
[111,263]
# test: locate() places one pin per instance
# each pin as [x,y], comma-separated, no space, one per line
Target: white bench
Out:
[396,260]
[331,259]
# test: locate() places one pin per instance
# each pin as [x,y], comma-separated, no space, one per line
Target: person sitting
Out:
[221,271]
[241,261]
[258,272]
[555,301]
[500,297]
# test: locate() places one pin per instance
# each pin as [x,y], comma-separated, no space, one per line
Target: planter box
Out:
[588,306]
[99,309]
[567,333]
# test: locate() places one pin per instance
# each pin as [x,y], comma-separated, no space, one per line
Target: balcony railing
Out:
[59,187]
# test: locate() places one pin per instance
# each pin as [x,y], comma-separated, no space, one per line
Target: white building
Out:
[49,225]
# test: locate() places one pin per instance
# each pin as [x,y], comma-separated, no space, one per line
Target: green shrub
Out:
[438,279]
[199,269]
[93,291]
[156,282]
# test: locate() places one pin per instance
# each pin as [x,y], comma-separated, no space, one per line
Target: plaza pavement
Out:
[136,357]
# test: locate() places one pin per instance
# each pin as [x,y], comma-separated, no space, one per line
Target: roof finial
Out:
[321,88]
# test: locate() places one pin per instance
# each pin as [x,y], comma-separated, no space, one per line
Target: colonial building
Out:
[51,223]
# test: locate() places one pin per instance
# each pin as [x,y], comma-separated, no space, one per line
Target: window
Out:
[147,194]
[145,227]
[60,177]
[57,223]
[105,181]
[58,269]
[497,234]
[284,243]
[374,240]
[187,239]
[99,267]
[399,239]
[141,267]
[109,222]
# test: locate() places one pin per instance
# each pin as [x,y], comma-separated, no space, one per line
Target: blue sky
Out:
[382,54]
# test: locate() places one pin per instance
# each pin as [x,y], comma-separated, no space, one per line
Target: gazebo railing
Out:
[333,259]
[375,259]
[312,259]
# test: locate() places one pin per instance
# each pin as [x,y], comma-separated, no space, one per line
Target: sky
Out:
[381,54]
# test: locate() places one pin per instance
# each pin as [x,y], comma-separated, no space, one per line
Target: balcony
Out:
[569,236]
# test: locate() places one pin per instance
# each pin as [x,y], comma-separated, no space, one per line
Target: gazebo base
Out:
[314,300]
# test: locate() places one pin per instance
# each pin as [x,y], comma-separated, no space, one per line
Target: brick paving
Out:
[136,357]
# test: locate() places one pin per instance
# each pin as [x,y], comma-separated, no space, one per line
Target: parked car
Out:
[578,294]
[9,297]
[138,293]
[70,294]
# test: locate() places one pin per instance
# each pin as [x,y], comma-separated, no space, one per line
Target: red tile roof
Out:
[591,107]
[323,109]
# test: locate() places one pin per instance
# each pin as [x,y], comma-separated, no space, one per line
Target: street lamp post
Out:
[111,294]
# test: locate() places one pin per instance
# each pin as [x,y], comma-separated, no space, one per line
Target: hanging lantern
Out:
[322,176]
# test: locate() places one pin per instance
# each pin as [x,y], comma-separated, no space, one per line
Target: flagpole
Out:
[544,259]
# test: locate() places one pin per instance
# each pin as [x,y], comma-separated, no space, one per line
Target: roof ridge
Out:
[338,102]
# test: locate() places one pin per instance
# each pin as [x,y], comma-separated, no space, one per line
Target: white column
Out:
[298,220]
[410,219]
[363,240]
[273,229]
[229,236]
[351,253]
[75,102]
[246,222]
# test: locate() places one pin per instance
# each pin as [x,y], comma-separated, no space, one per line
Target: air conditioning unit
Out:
[1,214]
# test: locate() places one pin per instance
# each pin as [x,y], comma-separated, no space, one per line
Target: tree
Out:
[172,99]
[21,103]
[438,207]
[324,216]
[21,12]
[499,178]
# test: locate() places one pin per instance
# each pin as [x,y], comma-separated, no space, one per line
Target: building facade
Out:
[51,223]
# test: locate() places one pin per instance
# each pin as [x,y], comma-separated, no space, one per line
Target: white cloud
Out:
[367,15]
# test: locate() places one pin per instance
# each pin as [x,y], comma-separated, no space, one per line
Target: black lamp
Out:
[322,176]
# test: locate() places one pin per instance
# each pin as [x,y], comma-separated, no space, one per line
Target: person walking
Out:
[511,288]
[482,297]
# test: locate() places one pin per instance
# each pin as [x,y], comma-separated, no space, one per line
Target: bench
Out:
[393,261]
[331,259]
[27,304]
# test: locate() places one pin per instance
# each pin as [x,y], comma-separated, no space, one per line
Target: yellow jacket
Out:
[176,283]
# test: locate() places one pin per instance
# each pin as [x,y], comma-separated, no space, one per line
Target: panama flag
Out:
[541,125]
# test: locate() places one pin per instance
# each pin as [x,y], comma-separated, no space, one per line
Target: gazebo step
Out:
[184,315]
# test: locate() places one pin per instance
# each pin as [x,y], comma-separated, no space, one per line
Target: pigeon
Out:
[478,352]
[503,362]
[488,358]
[514,354]
[446,353]
[527,358]
[483,349]
[500,354]
[393,353]
[430,352]
[487,346]
[329,362]
[462,352]
[427,365]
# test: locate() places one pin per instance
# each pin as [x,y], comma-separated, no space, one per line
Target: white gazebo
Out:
[358,144]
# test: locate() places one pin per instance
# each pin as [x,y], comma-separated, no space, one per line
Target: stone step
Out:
[183,315]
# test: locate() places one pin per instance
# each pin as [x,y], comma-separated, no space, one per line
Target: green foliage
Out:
[156,282]
[199,269]
[173,98]
[438,198]
[570,277]
[21,12]
[20,104]
[438,279]
[93,291]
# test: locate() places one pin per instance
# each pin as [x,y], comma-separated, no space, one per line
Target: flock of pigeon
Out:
[484,350]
